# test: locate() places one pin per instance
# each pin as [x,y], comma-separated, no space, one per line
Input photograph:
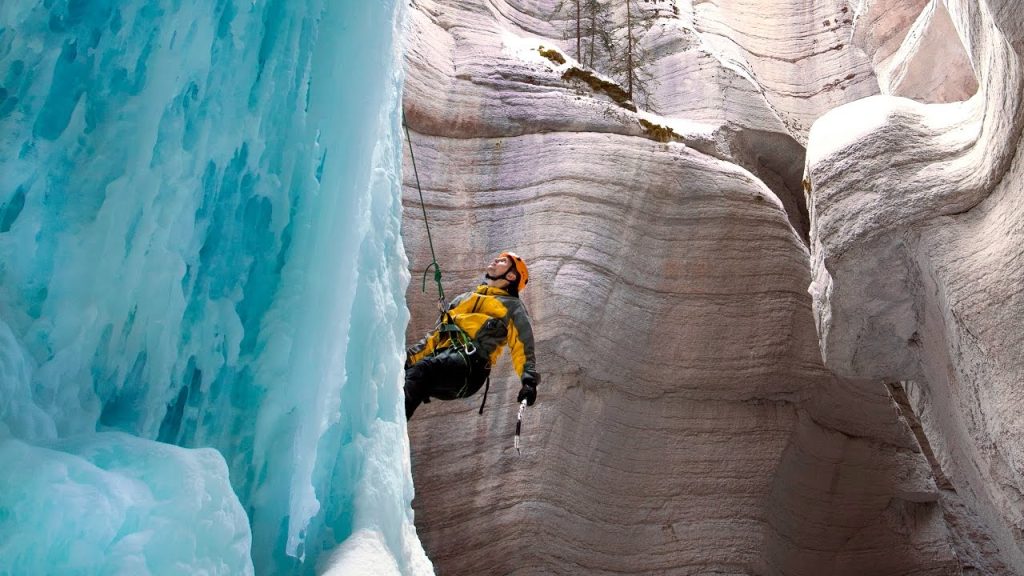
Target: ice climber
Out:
[455,359]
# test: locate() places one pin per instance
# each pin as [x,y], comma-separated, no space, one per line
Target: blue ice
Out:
[202,284]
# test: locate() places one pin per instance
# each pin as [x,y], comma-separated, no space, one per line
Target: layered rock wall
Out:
[686,422]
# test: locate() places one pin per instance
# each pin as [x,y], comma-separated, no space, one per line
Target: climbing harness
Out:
[519,425]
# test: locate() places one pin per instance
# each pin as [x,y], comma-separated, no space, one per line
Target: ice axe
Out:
[519,425]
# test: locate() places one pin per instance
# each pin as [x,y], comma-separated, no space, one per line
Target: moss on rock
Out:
[659,132]
[552,54]
[613,90]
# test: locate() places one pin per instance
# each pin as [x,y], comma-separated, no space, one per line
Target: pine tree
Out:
[599,47]
[633,62]
[591,24]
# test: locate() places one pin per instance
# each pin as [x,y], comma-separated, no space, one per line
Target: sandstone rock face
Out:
[686,422]
[917,237]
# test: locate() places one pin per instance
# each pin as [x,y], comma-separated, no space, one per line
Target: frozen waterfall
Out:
[202,284]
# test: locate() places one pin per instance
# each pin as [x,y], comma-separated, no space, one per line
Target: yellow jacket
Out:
[493,318]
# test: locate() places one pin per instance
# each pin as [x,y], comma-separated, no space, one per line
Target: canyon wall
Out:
[687,422]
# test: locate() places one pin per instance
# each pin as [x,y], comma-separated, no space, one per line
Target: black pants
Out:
[446,375]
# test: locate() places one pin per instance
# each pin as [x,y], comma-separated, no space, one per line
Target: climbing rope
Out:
[441,300]
[445,325]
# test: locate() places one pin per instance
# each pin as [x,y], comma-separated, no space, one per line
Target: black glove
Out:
[529,390]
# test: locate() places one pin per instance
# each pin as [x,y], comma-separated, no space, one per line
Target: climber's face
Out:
[501,272]
[499,266]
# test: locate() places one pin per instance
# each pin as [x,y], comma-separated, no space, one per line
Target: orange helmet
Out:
[521,270]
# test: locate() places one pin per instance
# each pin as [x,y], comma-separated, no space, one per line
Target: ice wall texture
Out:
[199,246]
